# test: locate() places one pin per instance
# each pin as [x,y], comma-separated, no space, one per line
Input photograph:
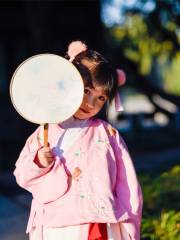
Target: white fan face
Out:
[46,88]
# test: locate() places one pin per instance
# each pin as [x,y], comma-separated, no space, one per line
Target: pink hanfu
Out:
[93,182]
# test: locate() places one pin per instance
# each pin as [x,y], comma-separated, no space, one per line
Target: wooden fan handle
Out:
[46,135]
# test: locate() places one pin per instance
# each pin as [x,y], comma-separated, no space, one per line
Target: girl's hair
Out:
[96,71]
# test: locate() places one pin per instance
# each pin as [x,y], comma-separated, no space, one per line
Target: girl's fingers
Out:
[46,153]
[49,160]
[45,161]
[45,149]
[46,158]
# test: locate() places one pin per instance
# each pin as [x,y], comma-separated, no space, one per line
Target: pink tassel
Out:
[118,103]
[121,81]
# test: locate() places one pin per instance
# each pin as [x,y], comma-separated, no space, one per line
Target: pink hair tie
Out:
[75,48]
[121,81]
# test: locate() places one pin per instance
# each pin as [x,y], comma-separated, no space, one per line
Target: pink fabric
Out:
[106,190]
[118,104]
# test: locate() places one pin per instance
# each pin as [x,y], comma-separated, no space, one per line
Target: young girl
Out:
[84,185]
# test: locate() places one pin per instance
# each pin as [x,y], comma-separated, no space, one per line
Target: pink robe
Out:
[94,181]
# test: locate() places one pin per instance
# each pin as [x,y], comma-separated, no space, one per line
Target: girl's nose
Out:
[90,106]
[90,103]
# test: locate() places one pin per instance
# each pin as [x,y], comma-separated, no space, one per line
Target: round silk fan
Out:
[46,88]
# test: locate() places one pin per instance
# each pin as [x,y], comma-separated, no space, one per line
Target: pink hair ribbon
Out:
[121,81]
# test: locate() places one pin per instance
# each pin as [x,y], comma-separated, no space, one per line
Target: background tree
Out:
[147,38]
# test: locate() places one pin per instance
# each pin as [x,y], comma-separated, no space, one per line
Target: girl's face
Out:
[94,99]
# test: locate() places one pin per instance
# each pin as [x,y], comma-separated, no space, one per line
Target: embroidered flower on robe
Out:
[86,195]
[76,173]
[104,141]
[79,153]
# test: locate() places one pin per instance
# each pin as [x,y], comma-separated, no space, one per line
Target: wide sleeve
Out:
[127,190]
[35,179]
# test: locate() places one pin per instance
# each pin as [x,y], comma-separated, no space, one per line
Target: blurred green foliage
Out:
[172,75]
[161,215]
[151,40]
[140,46]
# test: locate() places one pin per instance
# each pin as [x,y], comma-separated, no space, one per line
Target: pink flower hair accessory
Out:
[121,81]
[75,48]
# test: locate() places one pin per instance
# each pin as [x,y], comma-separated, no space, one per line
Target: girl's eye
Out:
[86,91]
[102,98]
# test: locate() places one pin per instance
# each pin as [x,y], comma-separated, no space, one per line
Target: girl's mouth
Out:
[84,111]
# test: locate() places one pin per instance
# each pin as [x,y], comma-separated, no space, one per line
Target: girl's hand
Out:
[44,157]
